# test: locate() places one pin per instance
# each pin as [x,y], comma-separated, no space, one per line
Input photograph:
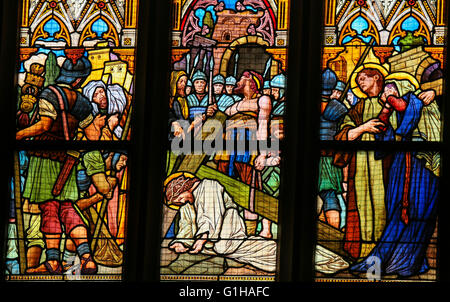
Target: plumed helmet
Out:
[219,79]
[199,75]
[329,80]
[340,86]
[230,81]
[70,71]
[278,81]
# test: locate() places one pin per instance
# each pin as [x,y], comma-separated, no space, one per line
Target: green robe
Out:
[330,176]
[369,189]
[43,173]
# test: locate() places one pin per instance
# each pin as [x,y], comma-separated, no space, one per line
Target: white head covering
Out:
[116,99]
[89,90]
[114,94]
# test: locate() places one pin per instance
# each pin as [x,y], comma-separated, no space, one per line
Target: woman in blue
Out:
[412,190]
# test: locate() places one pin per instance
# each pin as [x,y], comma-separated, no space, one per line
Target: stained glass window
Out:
[57,221]
[227,107]
[75,75]
[382,90]
[88,45]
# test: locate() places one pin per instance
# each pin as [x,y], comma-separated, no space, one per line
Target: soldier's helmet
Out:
[199,75]
[329,80]
[278,81]
[266,85]
[70,71]
[219,79]
[340,86]
[230,81]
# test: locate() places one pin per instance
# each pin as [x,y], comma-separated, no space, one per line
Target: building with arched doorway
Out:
[259,28]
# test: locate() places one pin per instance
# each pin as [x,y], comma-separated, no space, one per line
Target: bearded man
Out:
[246,117]
[62,109]
[108,100]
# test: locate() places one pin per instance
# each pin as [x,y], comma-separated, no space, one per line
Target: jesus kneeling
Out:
[210,224]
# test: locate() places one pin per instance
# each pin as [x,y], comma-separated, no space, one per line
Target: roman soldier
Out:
[230,84]
[198,101]
[223,101]
[331,177]
[278,87]
[51,180]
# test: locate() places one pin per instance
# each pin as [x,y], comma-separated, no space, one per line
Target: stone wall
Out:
[415,61]
[231,25]
[408,61]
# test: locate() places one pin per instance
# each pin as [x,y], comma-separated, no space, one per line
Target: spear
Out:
[268,64]
[126,128]
[205,59]
[19,217]
[195,65]
[188,61]
[211,68]
[236,60]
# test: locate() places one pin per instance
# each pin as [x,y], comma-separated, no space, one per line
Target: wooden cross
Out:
[265,205]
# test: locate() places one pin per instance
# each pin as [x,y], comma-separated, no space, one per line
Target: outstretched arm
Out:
[95,168]
[371,126]
[104,184]
[427,96]
[265,106]
[94,130]
[43,125]
[198,244]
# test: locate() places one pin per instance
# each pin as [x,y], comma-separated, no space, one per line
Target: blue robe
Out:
[196,106]
[224,101]
[402,247]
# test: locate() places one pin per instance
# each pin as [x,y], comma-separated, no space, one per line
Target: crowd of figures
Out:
[69,207]
[384,202]
[210,221]
[74,203]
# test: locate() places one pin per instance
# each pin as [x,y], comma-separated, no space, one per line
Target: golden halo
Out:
[401,75]
[354,86]
[168,179]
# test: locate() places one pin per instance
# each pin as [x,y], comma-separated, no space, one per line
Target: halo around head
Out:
[169,179]
[354,86]
[401,75]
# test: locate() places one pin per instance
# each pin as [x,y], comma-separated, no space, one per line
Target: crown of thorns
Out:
[177,186]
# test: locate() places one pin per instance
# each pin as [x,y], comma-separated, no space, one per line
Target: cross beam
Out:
[265,205]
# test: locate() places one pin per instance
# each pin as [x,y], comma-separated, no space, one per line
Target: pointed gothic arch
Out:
[423,30]
[348,31]
[39,32]
[88,33]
